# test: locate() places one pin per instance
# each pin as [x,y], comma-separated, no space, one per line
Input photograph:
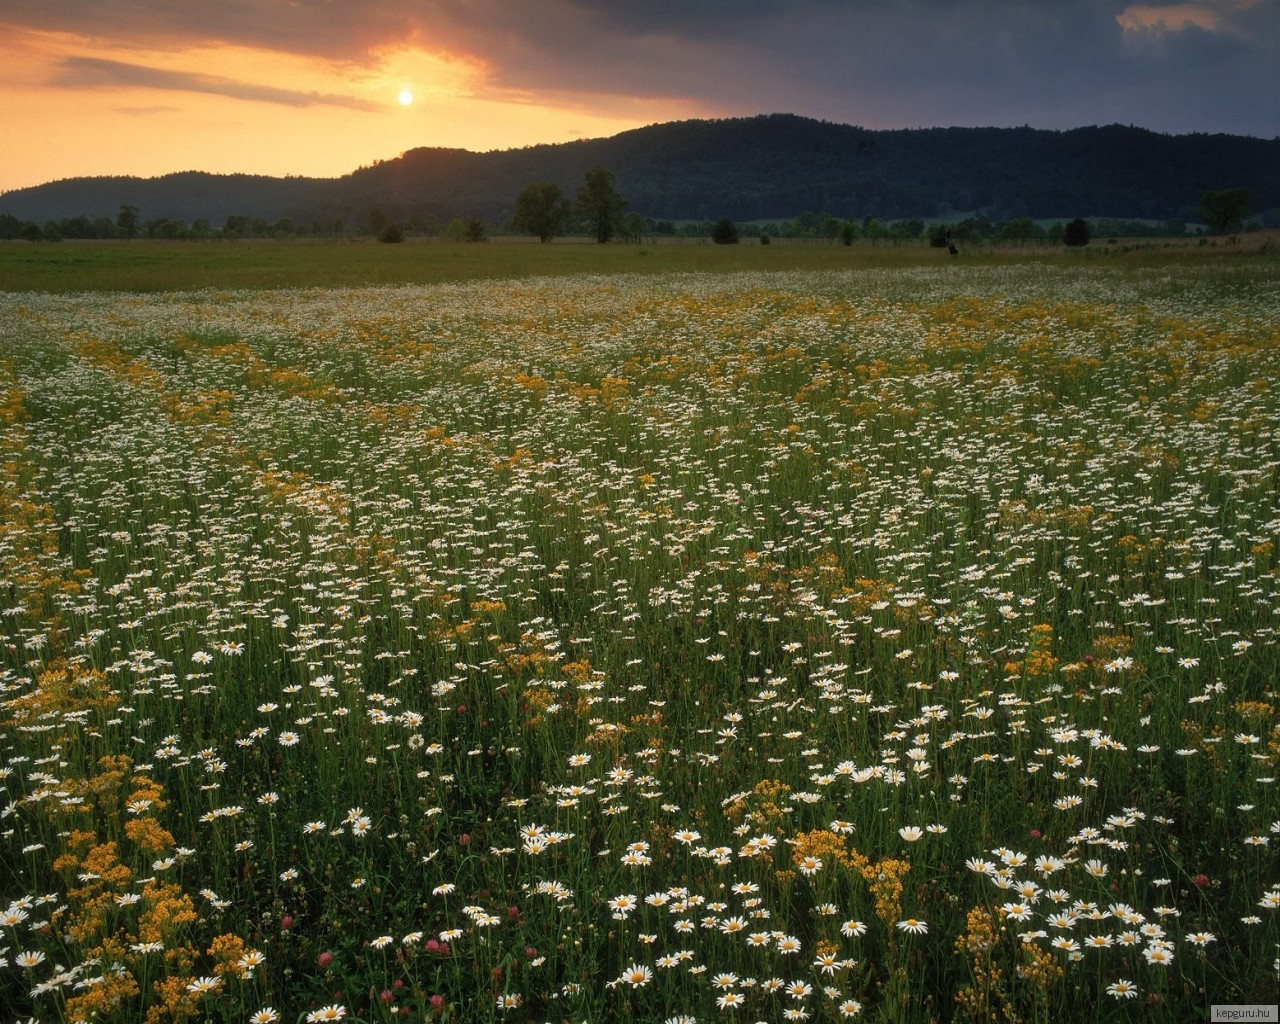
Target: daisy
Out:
[914,926]
[810,865]
[1122,989]
[336,1011]
[253,958]
[1158,956]
[622,906]
[851,929]
[636,976]
[850,1008]
[264,1016]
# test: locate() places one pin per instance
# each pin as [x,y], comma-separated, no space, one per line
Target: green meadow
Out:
[645,633]
[152,266]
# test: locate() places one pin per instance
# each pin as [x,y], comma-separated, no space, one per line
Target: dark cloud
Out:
[94,72]
[1174,65]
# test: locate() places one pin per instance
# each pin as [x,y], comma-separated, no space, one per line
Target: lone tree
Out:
[1076,232]
[724,232]
[541,210]
[600,204]
[1226,210]
[127,221]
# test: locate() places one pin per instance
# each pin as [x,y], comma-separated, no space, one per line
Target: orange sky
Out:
[310,87]
[84,108]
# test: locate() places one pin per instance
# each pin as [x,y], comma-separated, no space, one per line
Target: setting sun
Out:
[406,97]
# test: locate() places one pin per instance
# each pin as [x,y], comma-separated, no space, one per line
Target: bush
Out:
[1076,233]
[724,232]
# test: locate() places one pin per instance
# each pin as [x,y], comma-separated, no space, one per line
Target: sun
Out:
[406,97]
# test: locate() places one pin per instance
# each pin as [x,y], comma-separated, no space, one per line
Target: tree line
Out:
[598,210]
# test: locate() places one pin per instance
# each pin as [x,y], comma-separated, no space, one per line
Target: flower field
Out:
[897,645]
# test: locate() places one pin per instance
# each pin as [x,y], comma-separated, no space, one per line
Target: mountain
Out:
[767,167]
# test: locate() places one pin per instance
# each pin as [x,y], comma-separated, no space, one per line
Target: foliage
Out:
[391,232]
[724,232]
[1224,211]
[542,209]
[599,203]
[127,221]
[749,169]
[455,230]
[1076,232]
[374,222]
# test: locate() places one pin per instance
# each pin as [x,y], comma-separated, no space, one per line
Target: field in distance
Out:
[150,266]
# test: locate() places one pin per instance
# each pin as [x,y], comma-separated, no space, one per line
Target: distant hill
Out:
[768,167]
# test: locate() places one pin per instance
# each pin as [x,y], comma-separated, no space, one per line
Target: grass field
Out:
[150,266]
[792,642]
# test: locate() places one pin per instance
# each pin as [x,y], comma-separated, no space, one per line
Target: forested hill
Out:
[771,166]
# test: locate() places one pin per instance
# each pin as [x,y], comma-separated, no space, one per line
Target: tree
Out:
[600,204]
[1076,233]
[1225,211]
[875,229]
[724,232]
[1021,230]
[541,209]
[237,225]
[127,220]
[391,232]
[476,231]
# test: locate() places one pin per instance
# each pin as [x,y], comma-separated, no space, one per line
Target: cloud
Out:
[881,63]
[1169,18]
[94,72]
[147,111]
[1236,18]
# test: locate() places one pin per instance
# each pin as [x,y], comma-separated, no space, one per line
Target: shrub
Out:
[724,232]
[1076,233]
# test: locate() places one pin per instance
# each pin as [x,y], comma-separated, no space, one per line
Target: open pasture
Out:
[896,645]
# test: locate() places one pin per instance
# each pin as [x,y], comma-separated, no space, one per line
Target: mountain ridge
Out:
[770,166]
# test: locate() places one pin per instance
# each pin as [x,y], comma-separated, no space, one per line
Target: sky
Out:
[321,87]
